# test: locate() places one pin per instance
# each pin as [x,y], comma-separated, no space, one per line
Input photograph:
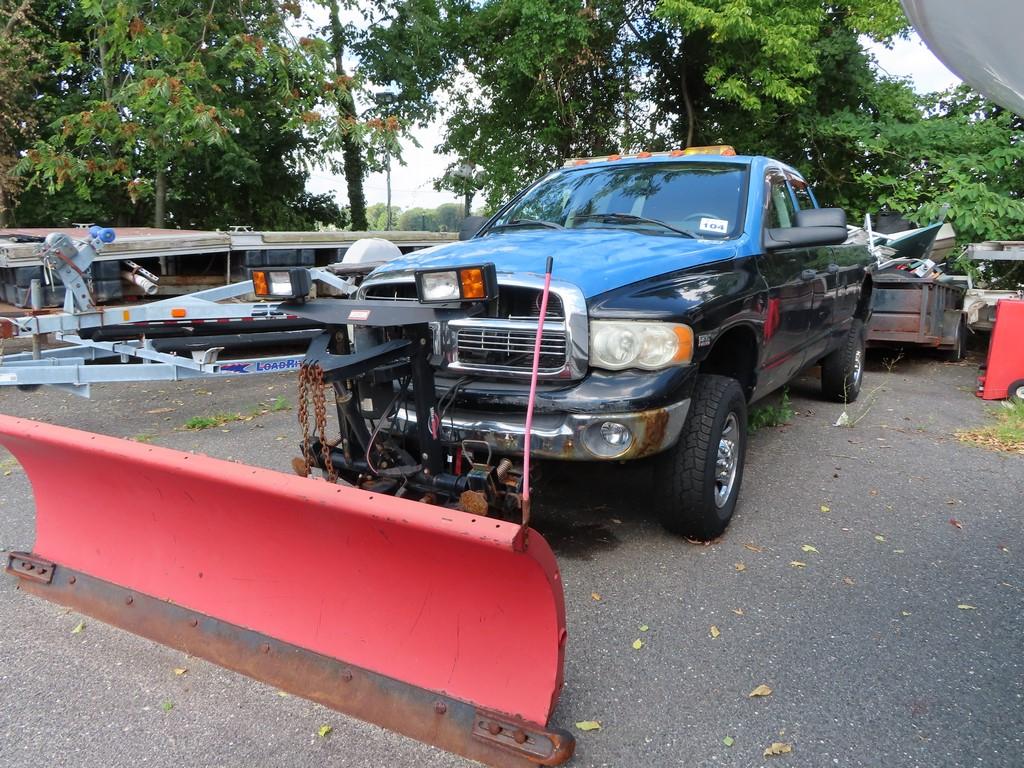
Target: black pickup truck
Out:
[686,286]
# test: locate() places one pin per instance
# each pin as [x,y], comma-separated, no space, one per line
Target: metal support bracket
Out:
[26,566]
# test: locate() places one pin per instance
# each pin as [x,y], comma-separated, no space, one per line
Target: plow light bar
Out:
[281,283]
[479,283]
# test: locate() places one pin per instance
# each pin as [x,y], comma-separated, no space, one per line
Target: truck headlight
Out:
[616,345]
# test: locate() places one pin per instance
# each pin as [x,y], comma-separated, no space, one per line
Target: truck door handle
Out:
[808,274]
[833,268]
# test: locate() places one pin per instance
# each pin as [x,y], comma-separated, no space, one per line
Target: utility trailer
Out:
[924,312]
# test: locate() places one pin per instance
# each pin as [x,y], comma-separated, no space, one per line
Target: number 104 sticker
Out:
[718,226]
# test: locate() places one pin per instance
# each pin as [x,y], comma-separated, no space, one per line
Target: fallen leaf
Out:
[873,491]
[740,567]
[283,694]
[715,631]
[879,537]
[738,611]
[179,671]
[323,730]
[638,644]
[797,564]
[167,706]
[848,580]
[825,508]
[904,613]
[956,523]
[595,595]
[644,627]
[777,748]
[761,690]
[753,547]
[78,628]
[808,548]
[728,741]
[966,607]
[589,725]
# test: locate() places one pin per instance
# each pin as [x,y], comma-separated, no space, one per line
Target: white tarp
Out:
[979,40]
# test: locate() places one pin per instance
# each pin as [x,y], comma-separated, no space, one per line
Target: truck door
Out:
[788,315]
[824,283]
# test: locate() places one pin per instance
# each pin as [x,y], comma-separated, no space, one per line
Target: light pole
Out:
[385,97]
[467,172]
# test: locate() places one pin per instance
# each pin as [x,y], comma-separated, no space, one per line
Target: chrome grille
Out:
[509,349]
[500,344]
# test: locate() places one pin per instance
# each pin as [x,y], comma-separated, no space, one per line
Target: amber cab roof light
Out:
[717,149]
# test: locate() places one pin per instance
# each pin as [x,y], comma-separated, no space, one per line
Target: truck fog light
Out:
[607,439]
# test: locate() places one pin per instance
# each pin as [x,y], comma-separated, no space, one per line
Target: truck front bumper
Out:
[566,436]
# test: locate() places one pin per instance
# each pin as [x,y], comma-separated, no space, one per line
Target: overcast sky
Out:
[412,185]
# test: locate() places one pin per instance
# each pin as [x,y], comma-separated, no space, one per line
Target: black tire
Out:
[687,491]
[1016,391]
[842,371]
[958,351]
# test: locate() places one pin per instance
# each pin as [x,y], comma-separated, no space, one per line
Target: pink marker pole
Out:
[533,393]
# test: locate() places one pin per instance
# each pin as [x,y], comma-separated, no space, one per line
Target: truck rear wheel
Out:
[697,482]
[843,370]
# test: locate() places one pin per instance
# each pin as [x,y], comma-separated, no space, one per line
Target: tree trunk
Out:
[160,199]
[351,151]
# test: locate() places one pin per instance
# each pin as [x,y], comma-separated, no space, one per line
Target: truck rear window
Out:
[703,199]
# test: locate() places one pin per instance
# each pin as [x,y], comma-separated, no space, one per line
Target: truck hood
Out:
[595,260]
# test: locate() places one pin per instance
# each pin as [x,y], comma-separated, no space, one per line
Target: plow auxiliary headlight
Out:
[478,283]
[619,344]
[281,283]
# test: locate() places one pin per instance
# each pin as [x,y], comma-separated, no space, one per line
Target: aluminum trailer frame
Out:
[69,367]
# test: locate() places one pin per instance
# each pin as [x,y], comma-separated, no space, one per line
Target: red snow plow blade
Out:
[446,627]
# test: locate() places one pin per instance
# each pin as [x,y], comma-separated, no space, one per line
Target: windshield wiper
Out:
[527,223]
[629,218]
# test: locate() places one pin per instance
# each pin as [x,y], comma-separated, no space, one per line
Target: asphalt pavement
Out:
[889,634]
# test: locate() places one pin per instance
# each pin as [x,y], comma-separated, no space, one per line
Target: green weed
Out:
[763,416]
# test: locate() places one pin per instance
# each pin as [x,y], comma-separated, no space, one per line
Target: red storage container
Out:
[1002,376]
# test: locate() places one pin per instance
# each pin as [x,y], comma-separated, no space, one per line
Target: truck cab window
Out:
[802,193]
[781,211]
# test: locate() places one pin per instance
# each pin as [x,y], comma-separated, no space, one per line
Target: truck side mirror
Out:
[470,226]
[814,227]
[803,237]
[821,217]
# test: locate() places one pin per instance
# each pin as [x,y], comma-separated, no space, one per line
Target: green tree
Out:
[161,106]
[20,40]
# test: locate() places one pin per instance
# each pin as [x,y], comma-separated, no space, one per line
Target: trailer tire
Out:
[1016,391]
[697,481]
[842,371]
[958,351]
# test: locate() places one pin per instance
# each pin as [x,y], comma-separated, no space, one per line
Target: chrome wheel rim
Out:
[728,460]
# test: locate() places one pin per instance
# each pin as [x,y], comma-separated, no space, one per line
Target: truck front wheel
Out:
[697,482]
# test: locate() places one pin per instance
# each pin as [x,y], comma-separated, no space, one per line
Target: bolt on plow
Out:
[394,577]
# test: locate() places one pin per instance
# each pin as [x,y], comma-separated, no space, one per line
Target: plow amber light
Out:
[473,285]
[259,283]
[478,283]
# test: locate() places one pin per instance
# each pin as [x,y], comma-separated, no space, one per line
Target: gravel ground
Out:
[869,656]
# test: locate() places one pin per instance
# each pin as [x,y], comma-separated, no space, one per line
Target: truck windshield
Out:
[680,198]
